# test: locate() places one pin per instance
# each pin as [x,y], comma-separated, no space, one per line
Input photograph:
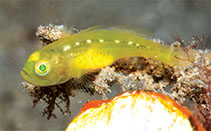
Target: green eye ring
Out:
[42,68]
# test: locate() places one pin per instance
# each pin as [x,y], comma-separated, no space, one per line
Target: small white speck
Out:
[156,56]
[67,47]
[137,44]
[88,41]
[77,43]
[130,43]
[71,54]
[116,41]
[101,40]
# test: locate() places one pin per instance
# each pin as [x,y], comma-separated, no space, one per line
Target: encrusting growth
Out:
[135,110]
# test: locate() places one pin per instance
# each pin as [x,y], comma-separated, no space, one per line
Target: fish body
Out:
[91,49]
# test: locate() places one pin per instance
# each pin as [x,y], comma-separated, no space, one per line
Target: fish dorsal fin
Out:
[93,28]
[134,30]
[123,28]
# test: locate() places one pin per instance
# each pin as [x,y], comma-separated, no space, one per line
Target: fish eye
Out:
[42,68]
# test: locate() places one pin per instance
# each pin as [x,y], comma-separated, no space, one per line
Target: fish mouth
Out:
[31,79]
[26,76]
[24,72]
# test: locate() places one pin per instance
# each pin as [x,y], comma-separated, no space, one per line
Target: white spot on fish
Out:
[77,43]
[137,44]
[130,43]
[101,40]
[116,41]
[67,47]
[88,41]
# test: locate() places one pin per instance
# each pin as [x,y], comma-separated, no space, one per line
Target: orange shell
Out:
[135,110]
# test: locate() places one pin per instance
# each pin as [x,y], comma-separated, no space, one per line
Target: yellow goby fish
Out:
[91,49]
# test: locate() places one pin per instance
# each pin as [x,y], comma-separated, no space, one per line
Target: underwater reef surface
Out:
[189,85]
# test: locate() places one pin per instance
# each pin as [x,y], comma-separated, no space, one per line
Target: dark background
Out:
[20,18]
